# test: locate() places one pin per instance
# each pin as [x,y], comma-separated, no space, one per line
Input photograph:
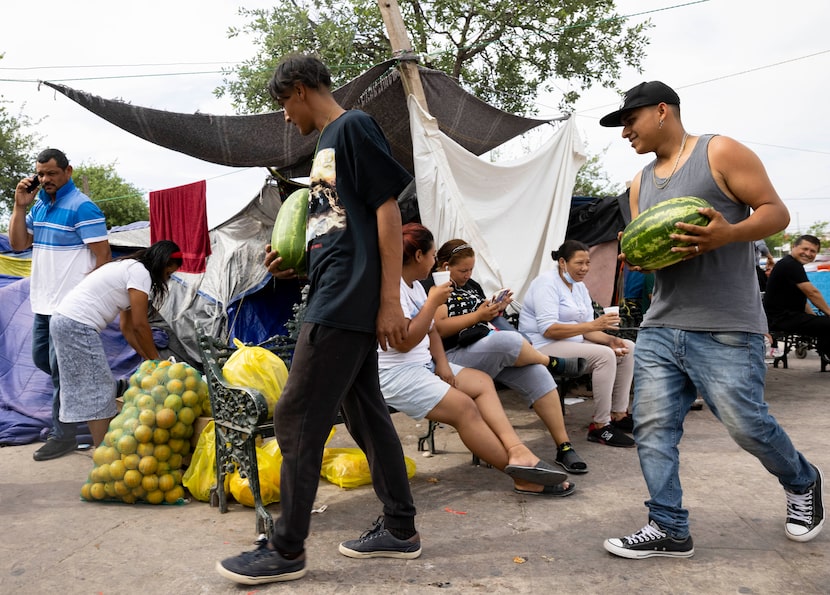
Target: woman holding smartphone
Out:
[475,334]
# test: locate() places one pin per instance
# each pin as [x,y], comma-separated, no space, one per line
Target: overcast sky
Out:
[755,70]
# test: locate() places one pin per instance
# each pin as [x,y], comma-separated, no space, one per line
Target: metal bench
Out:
[240,416]
[801,344]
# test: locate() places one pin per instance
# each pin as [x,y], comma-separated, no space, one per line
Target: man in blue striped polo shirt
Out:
[68,236]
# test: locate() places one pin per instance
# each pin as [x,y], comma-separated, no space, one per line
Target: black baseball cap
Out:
[649,93]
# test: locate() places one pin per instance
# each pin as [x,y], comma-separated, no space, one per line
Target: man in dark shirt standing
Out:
[354,270]
[788,290]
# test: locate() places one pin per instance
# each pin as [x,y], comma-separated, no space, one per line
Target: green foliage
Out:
[777,240]
[502,51]
[592,180]
[17,157]
[121,202]
[818,229]
[347,35]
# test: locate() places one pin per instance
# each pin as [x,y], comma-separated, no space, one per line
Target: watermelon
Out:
[646,242]
[289,235]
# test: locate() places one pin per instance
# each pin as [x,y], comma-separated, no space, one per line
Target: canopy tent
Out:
[458,194]
[513,214]
[267,140]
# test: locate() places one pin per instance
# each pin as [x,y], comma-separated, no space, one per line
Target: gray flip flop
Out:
[542,473]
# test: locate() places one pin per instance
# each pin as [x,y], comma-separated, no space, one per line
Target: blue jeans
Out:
[43,356]
[727,369]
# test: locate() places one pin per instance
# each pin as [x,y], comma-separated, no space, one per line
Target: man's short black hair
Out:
[298,68]
[808,238]
[56,154]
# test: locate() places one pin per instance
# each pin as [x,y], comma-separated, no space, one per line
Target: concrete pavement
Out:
[478,536]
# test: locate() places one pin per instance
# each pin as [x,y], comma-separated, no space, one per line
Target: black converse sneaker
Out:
[650,541]
[805,512]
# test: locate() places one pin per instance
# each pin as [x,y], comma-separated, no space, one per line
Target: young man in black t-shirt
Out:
[789,288]
[354,270]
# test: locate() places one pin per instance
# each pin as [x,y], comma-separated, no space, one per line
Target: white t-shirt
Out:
[98,299]
[412,300]
[549,301]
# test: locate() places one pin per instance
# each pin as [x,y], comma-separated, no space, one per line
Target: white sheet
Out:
[513,213]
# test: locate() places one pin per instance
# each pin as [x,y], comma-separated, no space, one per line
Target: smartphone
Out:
[500,295]
[33,184]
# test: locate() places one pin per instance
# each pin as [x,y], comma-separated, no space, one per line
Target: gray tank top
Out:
[717,291]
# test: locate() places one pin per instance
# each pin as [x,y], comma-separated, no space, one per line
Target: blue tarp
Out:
[25,391]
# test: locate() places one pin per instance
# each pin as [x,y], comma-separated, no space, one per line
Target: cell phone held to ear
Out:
[33,184]
[500,295]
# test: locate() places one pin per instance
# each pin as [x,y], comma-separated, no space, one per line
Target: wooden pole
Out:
[402,48]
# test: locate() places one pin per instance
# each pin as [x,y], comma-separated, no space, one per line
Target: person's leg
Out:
[503,349]
[602,365]
[663,394]
[491,355]
[530,355]
[458,410]
[538,388]
[367,418]
[62,436]
[40,343]
[621,392]
[87,385]
[474,410]
[43,356]
[811,326]
[323,369]
[735,394]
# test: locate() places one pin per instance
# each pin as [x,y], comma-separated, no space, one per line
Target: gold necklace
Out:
[661,185]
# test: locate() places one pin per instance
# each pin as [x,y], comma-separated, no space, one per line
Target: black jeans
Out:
[43,356]
[801,323]
[335,369]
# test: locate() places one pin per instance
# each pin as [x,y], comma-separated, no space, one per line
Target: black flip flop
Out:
[557,491]
[542,473]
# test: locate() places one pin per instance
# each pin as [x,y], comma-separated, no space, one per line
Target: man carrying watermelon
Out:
[354,262]
[701,330]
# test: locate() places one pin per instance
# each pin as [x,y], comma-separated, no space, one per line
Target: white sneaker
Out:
[805,512]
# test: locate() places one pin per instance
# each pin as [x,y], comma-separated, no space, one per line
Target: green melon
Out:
[289,235]
[646,242]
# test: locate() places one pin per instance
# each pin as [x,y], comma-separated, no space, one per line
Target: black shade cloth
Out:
[597,220]
[266,140]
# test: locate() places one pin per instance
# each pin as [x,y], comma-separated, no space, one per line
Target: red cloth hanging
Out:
[180,214]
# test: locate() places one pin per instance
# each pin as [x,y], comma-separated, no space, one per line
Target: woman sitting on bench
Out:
[418,380]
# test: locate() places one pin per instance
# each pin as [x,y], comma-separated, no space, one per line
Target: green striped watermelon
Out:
[646,242]
[288,237]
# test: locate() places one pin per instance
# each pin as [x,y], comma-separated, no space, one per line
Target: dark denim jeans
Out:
[43,356]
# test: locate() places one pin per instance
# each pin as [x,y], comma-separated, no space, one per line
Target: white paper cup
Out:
[441,277]
[610,309]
